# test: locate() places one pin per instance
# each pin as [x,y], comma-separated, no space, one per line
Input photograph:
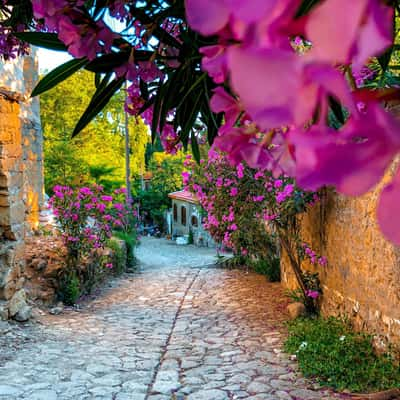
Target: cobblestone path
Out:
[171,331]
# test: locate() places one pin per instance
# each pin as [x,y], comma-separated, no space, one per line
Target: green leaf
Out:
[42,39]
[384,59]
[195,147]
[107,62]
[58,75]
[100,99]
[336,109]
[305,7]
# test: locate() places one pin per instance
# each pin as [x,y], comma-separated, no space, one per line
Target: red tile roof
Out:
[184,195]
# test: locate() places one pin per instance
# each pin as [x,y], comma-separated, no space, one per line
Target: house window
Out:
[194,221]
[183,215]
[175,213]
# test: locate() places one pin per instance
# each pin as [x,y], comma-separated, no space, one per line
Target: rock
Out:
[213,394]
[3,312]
[296,310]
[17,302]
[56,310]
[23,314]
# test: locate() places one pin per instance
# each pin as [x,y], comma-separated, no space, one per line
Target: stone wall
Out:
[21,175]
[362,279]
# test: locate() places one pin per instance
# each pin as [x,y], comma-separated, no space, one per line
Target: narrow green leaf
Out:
[97,80]
[195,147]
[46,40]
[100,99]
[336,109]
[107,62]
[384,59]
[58,75]
[194,85]
[305,7]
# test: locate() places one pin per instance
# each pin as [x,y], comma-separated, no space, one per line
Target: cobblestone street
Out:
[174,330]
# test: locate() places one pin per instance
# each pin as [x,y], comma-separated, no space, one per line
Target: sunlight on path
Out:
[168,332]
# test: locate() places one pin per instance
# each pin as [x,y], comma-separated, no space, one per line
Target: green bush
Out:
[130,239]
[69,290]
[118,257]
[332,353]
[270,267]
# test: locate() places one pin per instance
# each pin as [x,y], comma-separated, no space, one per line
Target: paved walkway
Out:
[172,331]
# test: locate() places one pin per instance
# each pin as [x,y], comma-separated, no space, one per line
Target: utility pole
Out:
[127,155]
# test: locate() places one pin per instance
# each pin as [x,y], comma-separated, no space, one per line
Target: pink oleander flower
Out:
[258,198]
[119,206]
[233,227]
[323,261]
[185,177]
[239,171]
[233,192]
[106,198]
[361,29]
[312,293]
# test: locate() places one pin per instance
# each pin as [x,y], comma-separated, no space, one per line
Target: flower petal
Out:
[207,16]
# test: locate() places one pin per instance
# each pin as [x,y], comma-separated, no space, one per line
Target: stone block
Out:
[23,314]
[3,311]
[17,302]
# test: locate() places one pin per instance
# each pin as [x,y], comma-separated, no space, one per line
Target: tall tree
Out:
[98,154]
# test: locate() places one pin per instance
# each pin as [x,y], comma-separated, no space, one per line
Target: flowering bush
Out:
[86,218]
[253,213]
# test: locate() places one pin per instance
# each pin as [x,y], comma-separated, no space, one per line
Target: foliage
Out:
[270,268]
[253,213]
[118,258]
[329,351]
[97,155]
[166,177]
[69,289]
[86,218]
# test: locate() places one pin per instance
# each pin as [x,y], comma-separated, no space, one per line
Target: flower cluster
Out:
[277,117]
[87,216]
[238,201]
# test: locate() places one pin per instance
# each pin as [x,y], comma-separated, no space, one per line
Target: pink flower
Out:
[233,192]
[240,171]
[106,198]
[185,177]
[118,206]
[233,227]
[109,265]
[322,261]
[258,198]
[312,293]
[215,62]
[101,207]
[342,31]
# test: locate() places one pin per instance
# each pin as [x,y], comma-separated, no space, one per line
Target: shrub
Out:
[69,289]
[332,353]
[86,218]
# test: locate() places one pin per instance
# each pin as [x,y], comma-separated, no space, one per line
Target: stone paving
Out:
[174,330]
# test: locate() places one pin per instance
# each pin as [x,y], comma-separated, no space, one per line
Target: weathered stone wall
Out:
[12,209]
[362,278]
[21,178]
[32,145]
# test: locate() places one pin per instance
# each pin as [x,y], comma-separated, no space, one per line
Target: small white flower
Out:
[303,345]
[342,338]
